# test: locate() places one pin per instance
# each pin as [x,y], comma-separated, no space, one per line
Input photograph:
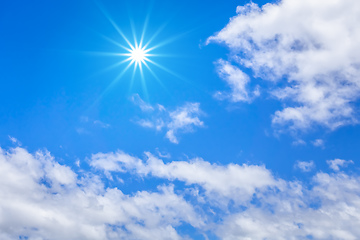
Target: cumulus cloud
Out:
[328,211]
[43,199]
[231,182]
[263,207]
[309,50]
[305,166]
[337,163]
[182,119]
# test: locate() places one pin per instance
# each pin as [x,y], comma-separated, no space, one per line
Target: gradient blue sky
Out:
[287,77]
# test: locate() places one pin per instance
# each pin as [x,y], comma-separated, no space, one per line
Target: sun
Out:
[138,55]
[137,52]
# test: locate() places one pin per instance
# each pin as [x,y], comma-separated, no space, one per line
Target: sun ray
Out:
[156,78]
[165,69]
[136,46]
[154,35]
[138,53]
[121,33]
[109,68]
[101,53]
[115,25]
[160,55]
[167,41]
[118,77]
[143,83]
[144,30]
[114,65]
[113,41]
[132,79]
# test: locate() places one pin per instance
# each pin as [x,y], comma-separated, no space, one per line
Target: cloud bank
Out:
[307,49]
[43,199]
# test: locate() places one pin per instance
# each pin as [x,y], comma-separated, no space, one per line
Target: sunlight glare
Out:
[138,55]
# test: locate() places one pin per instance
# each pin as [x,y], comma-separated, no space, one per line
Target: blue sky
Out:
[244,112]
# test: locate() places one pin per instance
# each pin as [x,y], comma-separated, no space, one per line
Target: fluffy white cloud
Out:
[233,181]
[182,119]
[42,199]
[291,214]
[270,208]
[337,163]
[309,48]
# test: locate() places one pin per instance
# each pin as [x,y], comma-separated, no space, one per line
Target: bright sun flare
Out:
[138,55]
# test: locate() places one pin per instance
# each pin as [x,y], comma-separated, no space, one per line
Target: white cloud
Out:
[163,154]
[41,199]
[305,166]
[327,211]
[14,140]
[237,81]
[270,208]
[307,48]
[299,142]
[136,99]
[182,119]
[337,163]
[318,143]
[231,182]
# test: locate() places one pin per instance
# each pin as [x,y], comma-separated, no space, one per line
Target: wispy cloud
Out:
[305,166]
[136,99]
[318,143]
[298,142]
[182,119]
[14,140]
[237,80]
